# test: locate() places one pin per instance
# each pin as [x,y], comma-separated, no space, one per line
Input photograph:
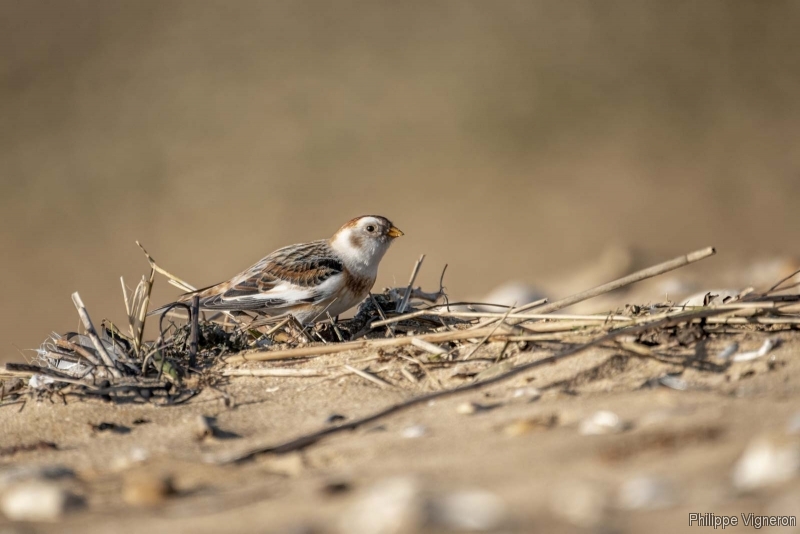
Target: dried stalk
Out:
[92,333]
[381,383]
[428,347]
[274,371]
[334,348]
[77,349]
[498,316]
[407,296]
[174,280]
[638,276]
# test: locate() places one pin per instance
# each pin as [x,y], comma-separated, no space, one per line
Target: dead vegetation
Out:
[414,340]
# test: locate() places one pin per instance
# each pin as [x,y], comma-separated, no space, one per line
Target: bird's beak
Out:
[395,232]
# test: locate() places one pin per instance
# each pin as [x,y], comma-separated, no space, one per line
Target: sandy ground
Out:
[557,144]
[529,454]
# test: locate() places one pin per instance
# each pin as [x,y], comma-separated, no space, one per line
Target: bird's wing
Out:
[290,276]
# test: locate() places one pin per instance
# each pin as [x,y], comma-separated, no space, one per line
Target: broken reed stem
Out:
[427,347]
[638,276]
[335,327]
[306,440]
[92,333]
[30,370]
[381,383]
[381,313]
[414,273]
[497,316]
[274,371]
[138,310]
[125,296]
[333,348]
[530,305]
[77,349]
[180,284]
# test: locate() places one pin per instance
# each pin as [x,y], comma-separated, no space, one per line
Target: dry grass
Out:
[190,355]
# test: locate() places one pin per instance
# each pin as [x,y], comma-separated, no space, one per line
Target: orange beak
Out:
[395,232]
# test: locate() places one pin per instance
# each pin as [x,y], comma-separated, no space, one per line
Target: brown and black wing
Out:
[288,277]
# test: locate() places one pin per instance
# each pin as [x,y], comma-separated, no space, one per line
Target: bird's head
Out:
[363,241]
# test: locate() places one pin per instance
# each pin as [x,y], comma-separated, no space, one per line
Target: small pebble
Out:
[147,489]
[602,422]
[402,506]
[36,501]
[646,493]
[391,506]
[529,393]
[467,408]
[767,461]
[533,424]
[125,461]
[415,431]
[673,382]
[467,511]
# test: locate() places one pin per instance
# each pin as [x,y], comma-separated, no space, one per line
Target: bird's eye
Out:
[370,228]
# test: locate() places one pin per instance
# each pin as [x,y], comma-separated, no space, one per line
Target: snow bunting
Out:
[309,279]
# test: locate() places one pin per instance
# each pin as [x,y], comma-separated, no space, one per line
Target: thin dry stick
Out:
[754,320]
[277,327]
[428,347]
[488,335]
[306,440]
[411,378]
[174,280]
[511,314]
[638,276]
[424,368]
[370,377]
[77,349]
[447,313]
[775,288]
[380,312]
[335,326]
[92,333]
[530,305]
[274,371]
[125,296]
[320,350]
[23,369]
[407,296]
[177,282]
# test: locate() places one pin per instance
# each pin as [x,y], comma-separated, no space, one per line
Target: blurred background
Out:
[513,140]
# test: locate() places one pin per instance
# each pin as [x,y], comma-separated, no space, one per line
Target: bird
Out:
[306,280]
